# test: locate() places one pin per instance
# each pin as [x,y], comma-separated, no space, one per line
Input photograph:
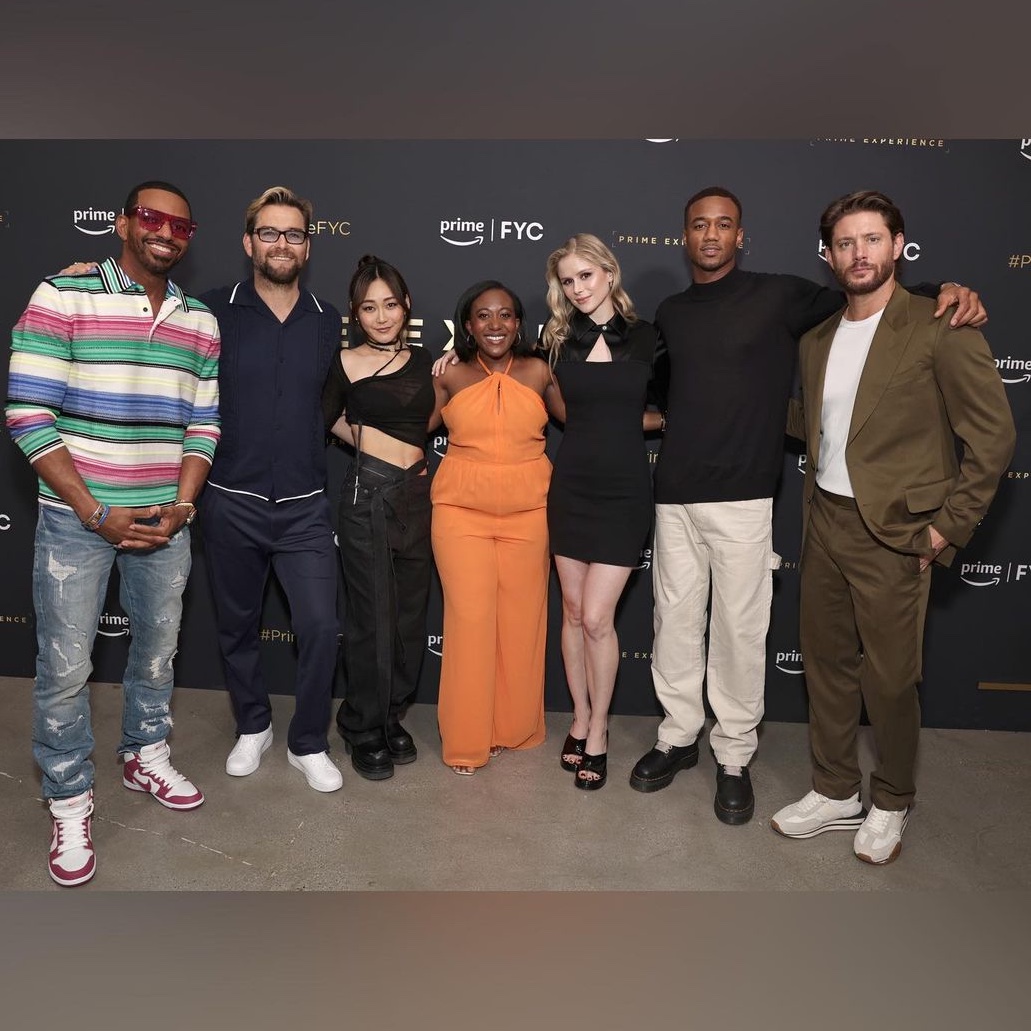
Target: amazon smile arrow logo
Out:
[94,216]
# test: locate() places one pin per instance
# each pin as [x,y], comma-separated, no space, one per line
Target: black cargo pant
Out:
[384,538]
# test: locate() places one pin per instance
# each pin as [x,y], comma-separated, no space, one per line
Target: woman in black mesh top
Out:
[379,398]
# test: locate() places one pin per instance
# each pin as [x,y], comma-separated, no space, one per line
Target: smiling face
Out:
[712,237]
[381,314]
[588,287]
[280,262]
[493,325]
[863,252]
[152,252]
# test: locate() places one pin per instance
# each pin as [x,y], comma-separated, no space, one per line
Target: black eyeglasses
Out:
[266,234]
[153,220]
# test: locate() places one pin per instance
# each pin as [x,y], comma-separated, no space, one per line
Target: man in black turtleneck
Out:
[730,343]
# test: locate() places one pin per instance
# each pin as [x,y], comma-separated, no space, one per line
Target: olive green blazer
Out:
[924,389]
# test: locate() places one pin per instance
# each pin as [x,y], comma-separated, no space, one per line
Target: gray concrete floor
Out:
[518,824]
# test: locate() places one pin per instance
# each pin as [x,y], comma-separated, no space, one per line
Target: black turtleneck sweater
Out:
[726,367]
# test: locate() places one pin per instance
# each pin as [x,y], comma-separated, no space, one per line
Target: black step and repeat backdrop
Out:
[450,213]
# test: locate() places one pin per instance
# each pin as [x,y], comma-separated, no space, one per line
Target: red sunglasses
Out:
[153,220]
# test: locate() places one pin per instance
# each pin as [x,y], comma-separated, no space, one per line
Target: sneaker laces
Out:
[161,768]
[73,831]
[879,819]
[809,803]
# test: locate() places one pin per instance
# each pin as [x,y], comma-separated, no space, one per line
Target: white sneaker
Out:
[246,755]
[72,860]
[816,813]
[879,840]
[318,770]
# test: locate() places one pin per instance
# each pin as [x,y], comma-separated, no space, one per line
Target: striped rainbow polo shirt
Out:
[127,394]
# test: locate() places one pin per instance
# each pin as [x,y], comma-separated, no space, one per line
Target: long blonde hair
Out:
[590,248]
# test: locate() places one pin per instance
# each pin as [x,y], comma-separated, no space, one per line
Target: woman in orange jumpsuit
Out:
[490,534]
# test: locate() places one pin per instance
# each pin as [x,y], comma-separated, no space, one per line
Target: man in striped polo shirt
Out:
[113,398]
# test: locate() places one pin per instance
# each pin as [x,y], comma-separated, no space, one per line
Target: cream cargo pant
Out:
[728,544]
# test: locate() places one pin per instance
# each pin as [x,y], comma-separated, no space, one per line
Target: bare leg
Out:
[600,590]
[571,575]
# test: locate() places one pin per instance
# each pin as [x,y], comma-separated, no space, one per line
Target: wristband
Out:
[98,515]
[182,503]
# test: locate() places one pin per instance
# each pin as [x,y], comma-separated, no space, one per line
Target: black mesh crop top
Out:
[397,403]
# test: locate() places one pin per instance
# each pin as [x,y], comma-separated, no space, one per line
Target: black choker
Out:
[396,346]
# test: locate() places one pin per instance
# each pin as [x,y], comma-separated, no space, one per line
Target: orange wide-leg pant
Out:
[494,572]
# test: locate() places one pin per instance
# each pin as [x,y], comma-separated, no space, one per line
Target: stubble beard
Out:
[282,275]
[868,286]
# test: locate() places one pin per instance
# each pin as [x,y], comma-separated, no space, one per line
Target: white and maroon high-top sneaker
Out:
[72,859]
[149,769]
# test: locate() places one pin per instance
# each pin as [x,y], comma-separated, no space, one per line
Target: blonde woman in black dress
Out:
[600,501]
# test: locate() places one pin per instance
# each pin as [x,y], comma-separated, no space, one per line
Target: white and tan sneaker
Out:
[879,840]
[815,813]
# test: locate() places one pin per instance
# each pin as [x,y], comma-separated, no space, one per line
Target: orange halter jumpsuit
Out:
[490,543]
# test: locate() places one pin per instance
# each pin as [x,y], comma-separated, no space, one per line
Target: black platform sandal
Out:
[572,746]
[596,764]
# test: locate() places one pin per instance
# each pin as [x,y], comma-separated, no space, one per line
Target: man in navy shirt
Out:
[265,506]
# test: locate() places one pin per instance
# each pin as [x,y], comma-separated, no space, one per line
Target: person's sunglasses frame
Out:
[153,220]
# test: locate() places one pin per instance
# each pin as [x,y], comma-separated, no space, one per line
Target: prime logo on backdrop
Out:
[114,624]
[94,221]
[470,232]
[1014,370]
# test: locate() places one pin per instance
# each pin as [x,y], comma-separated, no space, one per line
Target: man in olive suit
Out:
[887,391]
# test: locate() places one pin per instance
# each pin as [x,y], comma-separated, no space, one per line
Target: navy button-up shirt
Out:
[270,382]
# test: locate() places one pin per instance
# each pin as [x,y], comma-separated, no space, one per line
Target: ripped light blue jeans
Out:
[70,571]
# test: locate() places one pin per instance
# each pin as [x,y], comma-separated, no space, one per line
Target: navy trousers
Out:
[246,537]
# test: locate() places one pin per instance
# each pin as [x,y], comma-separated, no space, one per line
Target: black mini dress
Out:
[600,500]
